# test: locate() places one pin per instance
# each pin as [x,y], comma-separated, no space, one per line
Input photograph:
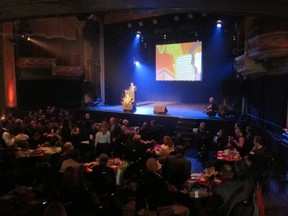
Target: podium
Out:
[130,94]
[129,101]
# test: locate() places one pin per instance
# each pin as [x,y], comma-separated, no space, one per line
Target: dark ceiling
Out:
[16,9]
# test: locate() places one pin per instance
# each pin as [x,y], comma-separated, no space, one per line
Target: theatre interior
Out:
[133,108]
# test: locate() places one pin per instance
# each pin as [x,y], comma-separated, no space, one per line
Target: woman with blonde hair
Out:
[102,139]
[166,147]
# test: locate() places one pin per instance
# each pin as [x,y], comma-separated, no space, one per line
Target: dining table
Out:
[228,155]
[119,166]
[41,151]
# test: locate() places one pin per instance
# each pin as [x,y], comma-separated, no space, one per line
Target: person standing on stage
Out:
[133,89]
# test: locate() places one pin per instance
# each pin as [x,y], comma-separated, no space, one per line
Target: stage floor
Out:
[175,109]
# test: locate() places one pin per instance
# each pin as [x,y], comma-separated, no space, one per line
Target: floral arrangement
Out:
[127,100]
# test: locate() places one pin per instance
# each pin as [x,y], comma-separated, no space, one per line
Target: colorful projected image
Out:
[179,62]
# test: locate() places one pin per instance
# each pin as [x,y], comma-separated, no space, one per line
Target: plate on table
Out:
[195,176]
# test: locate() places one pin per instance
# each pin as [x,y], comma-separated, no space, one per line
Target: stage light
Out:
[137,63]
[219,24]
[129,25]
[138,34]
[28,39]
[155,21]
[140,23]
[164,37]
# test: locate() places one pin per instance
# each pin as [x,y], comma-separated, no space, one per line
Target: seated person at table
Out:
[155,131]
[236,187]
[104,185]
[257,159]
[166,147]
[176,168]
[220,140]
[212,109]
[238,142]
[73,191]
[104,180]
[72,161]
[125,127]
[157,191]
[136,148]
[6,138]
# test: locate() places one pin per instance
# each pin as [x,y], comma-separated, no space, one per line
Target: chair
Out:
[165,211]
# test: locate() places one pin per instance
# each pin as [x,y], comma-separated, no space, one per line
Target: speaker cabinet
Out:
[160,110]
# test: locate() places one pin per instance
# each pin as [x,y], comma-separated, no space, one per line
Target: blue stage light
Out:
[219,24]
[136,63]
[138,34]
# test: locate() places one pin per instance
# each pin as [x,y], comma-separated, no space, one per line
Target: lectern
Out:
[128,101]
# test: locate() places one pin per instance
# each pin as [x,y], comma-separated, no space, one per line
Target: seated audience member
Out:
[155,131]
[67,150]
[55,209]
[65,130]
[212,109]
[249,138]
[157,191]
[21,138]
[239,142]
[176,168]
[145,131]
[72,161]
[104,180]
[137,148]
[73,191]
[36,139]
[257,159]
[102,139]
[125,128]
[236,187]
[104,184]
[166,147]
[220,140]
[7,140]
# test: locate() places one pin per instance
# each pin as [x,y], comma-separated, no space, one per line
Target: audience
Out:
[161,180]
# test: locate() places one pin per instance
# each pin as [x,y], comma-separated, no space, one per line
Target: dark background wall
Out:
[217,46]
[36,94]
[267,99]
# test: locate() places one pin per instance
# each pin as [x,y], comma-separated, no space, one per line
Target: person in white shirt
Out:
[102,139]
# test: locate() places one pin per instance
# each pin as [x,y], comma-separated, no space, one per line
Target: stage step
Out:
[185,128]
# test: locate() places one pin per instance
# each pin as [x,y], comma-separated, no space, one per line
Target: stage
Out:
[178,116]
[174,109]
